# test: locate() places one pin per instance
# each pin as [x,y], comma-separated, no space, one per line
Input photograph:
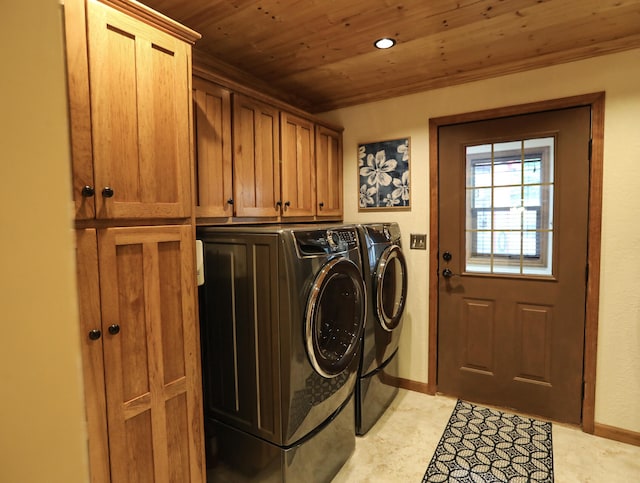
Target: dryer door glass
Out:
[335,317]
[391,287]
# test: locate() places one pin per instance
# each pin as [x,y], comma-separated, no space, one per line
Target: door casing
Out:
[596,102]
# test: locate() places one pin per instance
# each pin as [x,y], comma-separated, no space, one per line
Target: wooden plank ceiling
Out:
[319,54]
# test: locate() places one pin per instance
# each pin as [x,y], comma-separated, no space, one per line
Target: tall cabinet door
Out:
[139,79]
[212,127]
[328,172]
[256,150]
[151,354]
[298,166]
[92,353]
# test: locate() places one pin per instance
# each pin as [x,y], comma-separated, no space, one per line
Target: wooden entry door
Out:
[513,217]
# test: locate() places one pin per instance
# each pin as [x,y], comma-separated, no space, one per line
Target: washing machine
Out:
[385,273]
[282,313]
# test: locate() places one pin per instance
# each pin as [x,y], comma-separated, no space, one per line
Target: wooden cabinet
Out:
[139,348]
[212,128]
[139,116]
[256,160]
[297,168]
[129,75]
[328,172]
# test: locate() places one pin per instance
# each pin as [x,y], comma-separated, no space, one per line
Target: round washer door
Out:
[391,287]
[335,317]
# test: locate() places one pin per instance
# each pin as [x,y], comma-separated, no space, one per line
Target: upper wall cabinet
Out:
[328,172]
[256,160]
[134,159]
[212,127]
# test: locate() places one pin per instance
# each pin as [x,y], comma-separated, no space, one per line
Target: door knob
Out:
[107,192]
[446,256]
[446,273]
[114,329]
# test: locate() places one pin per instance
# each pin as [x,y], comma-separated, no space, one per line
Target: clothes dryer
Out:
[282,313]
[385,273]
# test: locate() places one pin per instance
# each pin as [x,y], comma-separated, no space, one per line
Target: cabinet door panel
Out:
[328,172]
[140,117]
[92,354]
[152,362]
[298,166]
[256,158]
[79,107]
[212,126]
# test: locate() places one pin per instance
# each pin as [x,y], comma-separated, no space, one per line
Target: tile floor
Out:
[399,447]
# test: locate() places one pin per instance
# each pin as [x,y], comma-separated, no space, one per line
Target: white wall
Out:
[42,430]
[618,374]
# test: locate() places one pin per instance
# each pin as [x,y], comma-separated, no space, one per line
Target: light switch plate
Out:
[418,241]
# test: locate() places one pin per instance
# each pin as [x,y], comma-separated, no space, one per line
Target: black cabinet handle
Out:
[94,334]
[230,201]
[114,329]
[107,192]
[287,204]
[278,204]
[321,204]
[88,191]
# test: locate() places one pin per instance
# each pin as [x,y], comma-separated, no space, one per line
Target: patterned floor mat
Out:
[485,445]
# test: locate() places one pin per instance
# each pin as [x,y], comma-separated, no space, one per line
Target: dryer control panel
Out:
[317,242]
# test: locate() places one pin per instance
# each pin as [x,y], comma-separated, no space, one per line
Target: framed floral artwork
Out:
[383,170]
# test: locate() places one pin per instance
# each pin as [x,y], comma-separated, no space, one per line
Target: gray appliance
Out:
[385,273]
[282,313]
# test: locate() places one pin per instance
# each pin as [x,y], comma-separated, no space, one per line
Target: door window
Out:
[335,317]
[509,207]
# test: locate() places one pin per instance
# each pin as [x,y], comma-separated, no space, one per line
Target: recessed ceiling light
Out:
[385,43]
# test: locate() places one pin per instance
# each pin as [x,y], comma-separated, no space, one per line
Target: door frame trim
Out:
[596,101]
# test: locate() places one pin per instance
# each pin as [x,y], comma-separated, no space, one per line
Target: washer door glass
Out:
[335,317]
[391,287]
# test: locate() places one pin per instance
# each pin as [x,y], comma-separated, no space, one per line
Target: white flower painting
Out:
[384,174]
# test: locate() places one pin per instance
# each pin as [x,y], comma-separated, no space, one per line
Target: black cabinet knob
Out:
[321,204]
[278,204]
[88,191]
[114,329]
[107,192]
[287,204]
[230,201]
[446,256]
[94,334]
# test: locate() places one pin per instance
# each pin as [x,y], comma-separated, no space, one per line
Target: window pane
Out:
[507,197]
[530,219]
[508,172]
[532,171]
[510,219]
[507,243]
[544,146]
[481,198]
[532,196]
